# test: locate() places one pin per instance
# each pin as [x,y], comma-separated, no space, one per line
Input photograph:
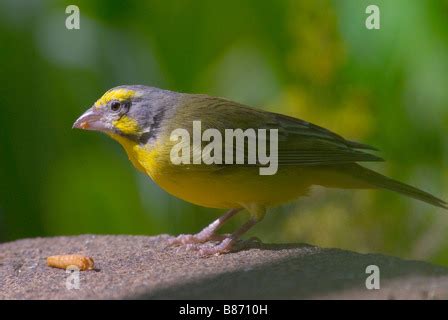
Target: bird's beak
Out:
[90,120]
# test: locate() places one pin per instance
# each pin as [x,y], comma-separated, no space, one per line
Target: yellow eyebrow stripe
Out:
[118,94]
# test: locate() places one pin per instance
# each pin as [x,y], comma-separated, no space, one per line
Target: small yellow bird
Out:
[143,119]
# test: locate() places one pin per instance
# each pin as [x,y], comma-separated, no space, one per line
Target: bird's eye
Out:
[115,106]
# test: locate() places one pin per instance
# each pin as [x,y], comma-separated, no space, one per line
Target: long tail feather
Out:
[383,182]
[359,145]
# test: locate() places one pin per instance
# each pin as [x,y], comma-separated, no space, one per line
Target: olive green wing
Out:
[299,142]
[303,143]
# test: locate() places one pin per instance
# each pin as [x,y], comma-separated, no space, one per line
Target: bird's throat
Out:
[131,149]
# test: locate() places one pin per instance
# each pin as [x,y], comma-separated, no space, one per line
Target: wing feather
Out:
[299,142]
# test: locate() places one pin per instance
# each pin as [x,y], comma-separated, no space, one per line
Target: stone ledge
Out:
[144,267]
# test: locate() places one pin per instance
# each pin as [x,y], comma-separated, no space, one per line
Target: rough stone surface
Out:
[130,267]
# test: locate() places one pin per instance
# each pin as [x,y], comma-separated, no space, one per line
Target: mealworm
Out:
[65,261]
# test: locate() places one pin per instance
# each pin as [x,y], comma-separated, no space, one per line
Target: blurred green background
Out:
[310,59]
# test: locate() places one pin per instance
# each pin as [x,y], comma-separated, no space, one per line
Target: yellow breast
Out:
[232,187]
[227,188]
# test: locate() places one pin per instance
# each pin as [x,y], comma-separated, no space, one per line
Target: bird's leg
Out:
[206,234]
[257,213]
[227,244]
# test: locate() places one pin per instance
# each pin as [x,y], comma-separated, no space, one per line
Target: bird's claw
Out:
[209,249]
[184,239]
[188,239]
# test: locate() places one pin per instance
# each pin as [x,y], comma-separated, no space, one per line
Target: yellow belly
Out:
[233,186]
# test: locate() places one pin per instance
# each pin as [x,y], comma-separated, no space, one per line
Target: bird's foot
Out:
[209,248]
[189,239]
[227,245]
[207,234]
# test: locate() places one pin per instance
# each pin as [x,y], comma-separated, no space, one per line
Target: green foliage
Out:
[310,59]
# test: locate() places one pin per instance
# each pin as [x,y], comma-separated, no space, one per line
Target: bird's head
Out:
[133,112]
